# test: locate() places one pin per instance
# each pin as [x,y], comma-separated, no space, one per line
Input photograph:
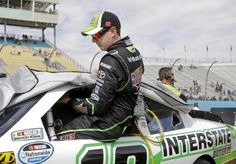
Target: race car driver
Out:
[105,115]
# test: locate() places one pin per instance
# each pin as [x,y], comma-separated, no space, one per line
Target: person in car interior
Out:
[106,113]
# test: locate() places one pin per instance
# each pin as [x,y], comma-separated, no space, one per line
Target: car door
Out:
[15,131]
[26,139]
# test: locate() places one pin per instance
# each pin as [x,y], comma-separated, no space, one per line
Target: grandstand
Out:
[36,52]
[39,53]
[191,80]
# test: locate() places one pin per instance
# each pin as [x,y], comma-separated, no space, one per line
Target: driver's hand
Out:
[80,108]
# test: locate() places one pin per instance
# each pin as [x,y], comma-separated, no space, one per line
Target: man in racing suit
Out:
[108,111]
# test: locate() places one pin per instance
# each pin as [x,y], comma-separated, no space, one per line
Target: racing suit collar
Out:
[123,42]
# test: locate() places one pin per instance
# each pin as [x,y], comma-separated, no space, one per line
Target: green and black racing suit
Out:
[110,107]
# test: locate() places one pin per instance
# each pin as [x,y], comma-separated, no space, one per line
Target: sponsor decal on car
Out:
[126,151]
[218,140]
[70,136]
[7,157]
[221,152]
[35,152]
[27,134]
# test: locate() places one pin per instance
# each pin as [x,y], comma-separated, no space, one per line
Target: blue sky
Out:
[152,25]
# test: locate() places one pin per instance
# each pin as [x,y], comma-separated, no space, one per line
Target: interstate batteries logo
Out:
[186,144]
[36,152]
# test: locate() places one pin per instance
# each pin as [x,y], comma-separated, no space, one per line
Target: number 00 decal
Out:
[118,153]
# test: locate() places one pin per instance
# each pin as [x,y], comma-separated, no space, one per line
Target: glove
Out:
[78,106]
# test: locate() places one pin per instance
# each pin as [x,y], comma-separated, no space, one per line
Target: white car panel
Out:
[186,141]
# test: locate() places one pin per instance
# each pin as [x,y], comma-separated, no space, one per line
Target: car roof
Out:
[12,89]
[41,82]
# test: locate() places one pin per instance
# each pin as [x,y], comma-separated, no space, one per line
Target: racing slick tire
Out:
[202,161]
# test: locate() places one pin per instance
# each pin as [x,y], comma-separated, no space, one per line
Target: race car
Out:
[162,131]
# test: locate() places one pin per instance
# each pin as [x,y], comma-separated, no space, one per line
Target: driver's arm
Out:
[110,75]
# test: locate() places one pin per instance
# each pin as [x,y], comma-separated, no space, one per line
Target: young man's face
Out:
[106,40]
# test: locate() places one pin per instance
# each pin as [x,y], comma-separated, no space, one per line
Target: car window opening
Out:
[63,113]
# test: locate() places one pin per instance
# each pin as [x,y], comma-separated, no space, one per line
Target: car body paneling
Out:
[32,119]
[75,151]
[199,141]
